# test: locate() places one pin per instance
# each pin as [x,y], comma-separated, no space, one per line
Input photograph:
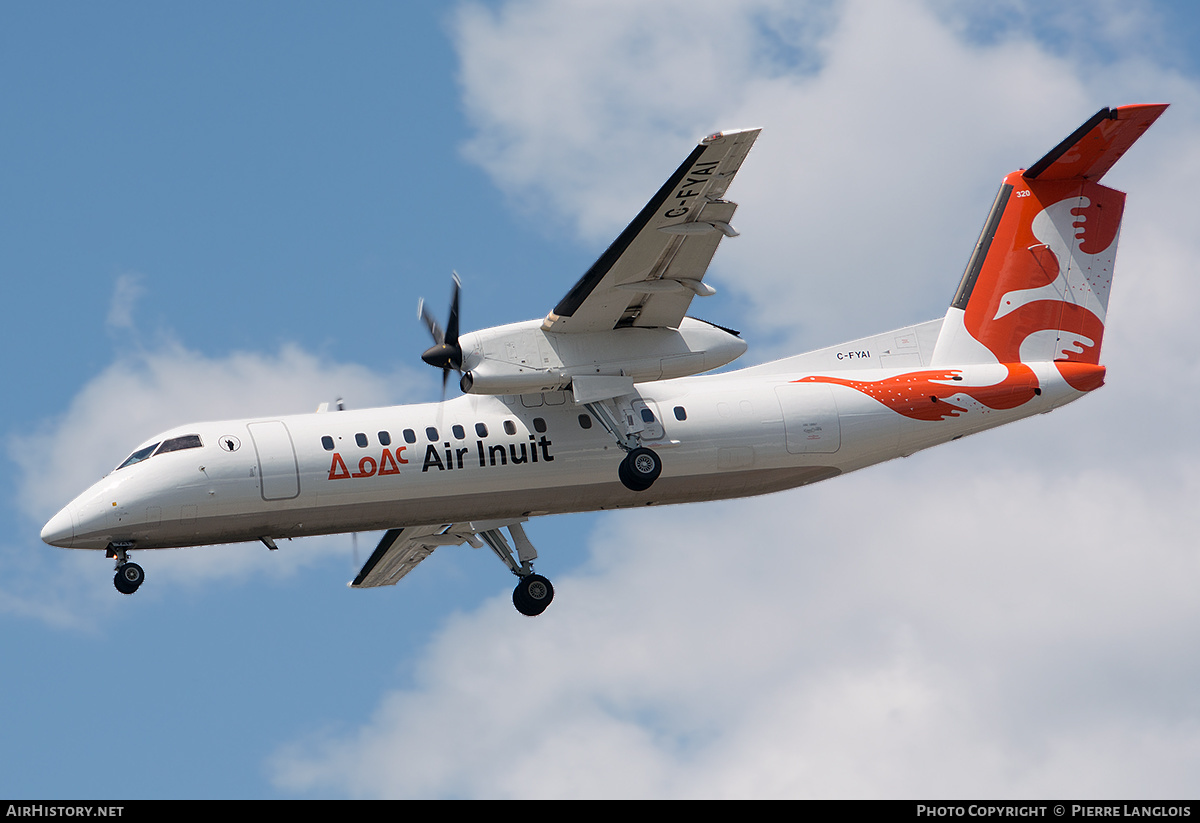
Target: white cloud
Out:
[565,125]
[127,291]
[1009,616]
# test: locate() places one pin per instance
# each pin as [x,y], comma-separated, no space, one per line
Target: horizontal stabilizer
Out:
[1094,147]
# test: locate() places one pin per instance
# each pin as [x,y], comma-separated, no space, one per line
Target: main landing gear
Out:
[532,595]
[533,592]
[129,576]
[641,466]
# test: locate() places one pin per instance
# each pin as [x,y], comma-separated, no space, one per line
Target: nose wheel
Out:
[128,577]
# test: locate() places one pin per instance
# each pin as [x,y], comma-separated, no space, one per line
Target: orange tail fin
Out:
[1036,287]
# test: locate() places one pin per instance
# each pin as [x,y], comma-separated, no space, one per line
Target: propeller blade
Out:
[445,353]
[452,325]
[434,328]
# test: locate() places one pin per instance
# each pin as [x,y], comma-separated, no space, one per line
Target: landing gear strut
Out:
[533,592]
[129,576]
[641,466]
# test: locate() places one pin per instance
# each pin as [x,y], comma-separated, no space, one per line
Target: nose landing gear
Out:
[129,576]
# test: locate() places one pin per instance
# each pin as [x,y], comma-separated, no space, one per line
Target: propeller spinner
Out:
[445,353]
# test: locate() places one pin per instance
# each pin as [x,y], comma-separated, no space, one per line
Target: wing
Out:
[400,550]
[397,554]
[651,272]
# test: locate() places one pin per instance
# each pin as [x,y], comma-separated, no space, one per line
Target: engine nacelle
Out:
[492,377]
[522,358]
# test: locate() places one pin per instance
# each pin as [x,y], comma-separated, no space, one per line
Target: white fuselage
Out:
[481,457]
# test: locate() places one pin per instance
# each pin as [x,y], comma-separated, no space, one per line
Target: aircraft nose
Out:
[60,531]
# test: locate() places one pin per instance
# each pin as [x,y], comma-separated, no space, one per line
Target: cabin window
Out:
[510,427]
[410,436]
[385,439]
[459,432]
[680,413]
[647,416]
[138,456]
[327,443]
[188,441]
[481,430]
[539,424]
[361,440]
[585,422]
[431,433]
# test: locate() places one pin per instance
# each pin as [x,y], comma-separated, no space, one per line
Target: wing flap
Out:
[398,553]
[401,550]
[673,237]
[666,307]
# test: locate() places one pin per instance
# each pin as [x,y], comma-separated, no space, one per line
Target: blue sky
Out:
[231,209]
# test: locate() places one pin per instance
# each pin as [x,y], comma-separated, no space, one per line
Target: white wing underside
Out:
[400,550]
[651,272]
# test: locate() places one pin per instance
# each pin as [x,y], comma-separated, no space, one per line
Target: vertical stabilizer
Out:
[1036,287]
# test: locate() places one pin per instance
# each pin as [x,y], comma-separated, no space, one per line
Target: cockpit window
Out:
[138,456]
[173,444]
[188,441]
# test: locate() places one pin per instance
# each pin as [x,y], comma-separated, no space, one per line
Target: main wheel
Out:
[532,595]
[640,468]
[128,577]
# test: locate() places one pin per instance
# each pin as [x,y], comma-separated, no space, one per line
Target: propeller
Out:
[445,353]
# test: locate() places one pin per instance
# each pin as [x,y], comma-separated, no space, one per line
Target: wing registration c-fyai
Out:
[651,272]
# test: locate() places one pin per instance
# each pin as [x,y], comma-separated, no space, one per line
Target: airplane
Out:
[604,403]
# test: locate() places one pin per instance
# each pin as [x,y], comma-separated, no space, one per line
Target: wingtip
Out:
[719,135]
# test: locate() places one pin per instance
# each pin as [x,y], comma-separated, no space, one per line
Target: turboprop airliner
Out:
[603,404]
